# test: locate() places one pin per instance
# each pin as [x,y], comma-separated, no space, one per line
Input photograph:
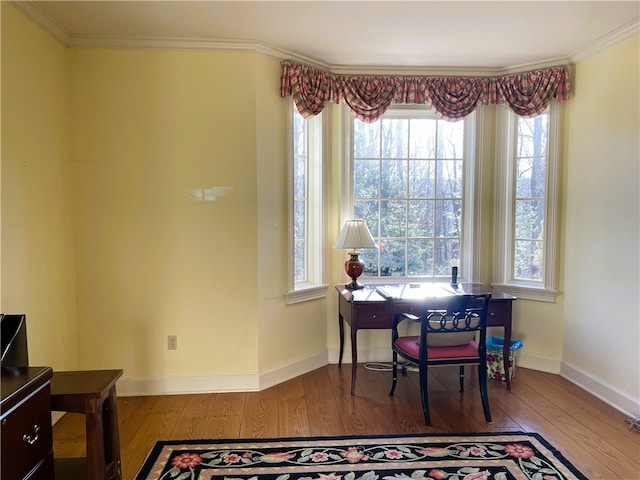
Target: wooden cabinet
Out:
[25,418]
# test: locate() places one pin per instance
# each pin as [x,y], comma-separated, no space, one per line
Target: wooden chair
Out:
[447,337]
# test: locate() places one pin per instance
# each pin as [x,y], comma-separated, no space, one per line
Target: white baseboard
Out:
[256,382]
[129,387]
[618,399]
[365,354]
[55,416]
[219,383]
[291,370]
[537,362]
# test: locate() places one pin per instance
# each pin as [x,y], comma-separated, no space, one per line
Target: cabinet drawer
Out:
[27,435]
[372,316]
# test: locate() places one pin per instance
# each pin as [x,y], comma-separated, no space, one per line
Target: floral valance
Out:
[452,98]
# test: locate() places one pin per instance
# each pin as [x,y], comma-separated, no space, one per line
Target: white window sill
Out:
[527,292]
[306,293]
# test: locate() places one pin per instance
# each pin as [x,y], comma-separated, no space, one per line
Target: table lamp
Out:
[355,234]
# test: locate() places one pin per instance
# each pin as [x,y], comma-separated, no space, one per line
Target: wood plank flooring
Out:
[590,433]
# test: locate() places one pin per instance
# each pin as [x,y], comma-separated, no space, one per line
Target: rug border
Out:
[147,465]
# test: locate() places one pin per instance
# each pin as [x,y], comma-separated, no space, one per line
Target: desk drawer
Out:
[372,316]
[499,313]
[31,418]
[419,307]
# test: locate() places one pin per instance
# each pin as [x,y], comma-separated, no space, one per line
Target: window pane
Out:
[395,138]
[392,258]
[422,178]
[393,216]
[366,178]
[448,218]
[367,211]
[300,166]
[525,192]
[366,139]
[449,179]
[530,181]
[420,220]
[408,198]
[447,254]
[529,219]
[422,141]
[305,205]
[299,176]
[299,219]
[530,197]
[370,258]
[299,134]
[528,260]
[421,258]
[394,178]
[300,262]
[450,139]
[533,136]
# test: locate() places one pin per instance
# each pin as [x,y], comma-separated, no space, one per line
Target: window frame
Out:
[470,269]
[504,226]
[314,285]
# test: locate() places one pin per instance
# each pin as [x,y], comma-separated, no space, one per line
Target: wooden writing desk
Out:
[374,307]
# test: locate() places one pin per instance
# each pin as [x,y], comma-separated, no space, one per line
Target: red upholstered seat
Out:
[410,345]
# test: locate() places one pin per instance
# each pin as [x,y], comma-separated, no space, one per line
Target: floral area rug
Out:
[477,456]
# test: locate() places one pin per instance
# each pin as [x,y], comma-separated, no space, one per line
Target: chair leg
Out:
[394,369]
[482,378]
[462,378]
[424,391]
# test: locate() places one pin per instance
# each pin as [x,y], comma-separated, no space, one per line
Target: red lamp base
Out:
[354,268]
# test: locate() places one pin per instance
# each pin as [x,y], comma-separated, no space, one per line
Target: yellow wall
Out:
[288,333]
[148,127]
[38,245]
[122,136]
[601,327]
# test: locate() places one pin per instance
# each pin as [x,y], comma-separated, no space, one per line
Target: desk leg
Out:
[341,329]
[506,351]
[112,436]
[95,440]
[354,359]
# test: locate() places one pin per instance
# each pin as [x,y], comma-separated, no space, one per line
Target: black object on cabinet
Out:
[13,335]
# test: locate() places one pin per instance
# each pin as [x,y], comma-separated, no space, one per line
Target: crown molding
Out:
[618,35]
[447,71]
[38,16]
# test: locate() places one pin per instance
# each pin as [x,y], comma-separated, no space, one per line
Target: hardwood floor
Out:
[590,433]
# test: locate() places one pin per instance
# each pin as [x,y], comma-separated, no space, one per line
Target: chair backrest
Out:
[458,324]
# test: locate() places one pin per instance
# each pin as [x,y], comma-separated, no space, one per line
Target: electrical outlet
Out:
[172,342]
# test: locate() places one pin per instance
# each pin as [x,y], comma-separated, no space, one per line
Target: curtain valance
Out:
[452,98]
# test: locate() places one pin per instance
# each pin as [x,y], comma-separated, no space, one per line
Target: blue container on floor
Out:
[495,364]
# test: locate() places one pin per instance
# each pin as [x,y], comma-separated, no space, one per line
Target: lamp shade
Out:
[355,234]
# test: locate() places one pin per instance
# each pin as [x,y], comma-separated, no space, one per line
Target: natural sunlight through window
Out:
[306,257]
[526,203]
[412,183]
